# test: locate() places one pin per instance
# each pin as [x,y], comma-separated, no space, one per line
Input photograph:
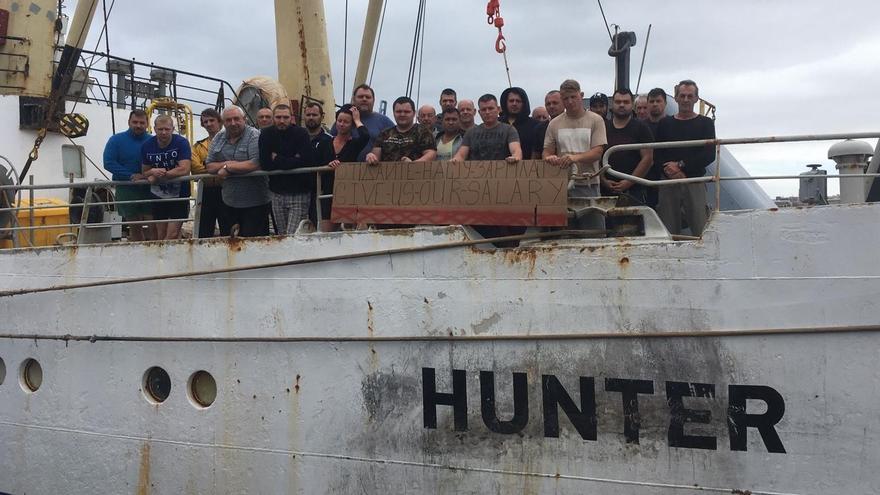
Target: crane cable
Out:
[415,53]
[493,17]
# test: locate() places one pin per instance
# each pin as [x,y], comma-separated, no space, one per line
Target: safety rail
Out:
[606,168]
[190,89]
[718,143]
[90,188]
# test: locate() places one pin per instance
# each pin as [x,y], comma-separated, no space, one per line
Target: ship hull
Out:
[744,361]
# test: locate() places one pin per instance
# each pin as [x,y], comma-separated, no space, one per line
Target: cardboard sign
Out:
[529,192]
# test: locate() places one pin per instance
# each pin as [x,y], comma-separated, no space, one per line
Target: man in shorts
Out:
[122,158]
[167,156]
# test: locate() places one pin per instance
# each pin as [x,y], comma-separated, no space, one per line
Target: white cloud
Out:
[780,67]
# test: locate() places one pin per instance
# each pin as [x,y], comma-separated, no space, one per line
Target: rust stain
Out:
[370,318]
[624,261]
[303,50]
[144,471]
[522,256]
[296,385]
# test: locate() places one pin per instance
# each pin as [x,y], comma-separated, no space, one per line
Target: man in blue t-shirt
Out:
[363,98]
[165,157]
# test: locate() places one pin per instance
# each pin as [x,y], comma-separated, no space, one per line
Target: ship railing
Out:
[78,231]
[187,87]
[717,144]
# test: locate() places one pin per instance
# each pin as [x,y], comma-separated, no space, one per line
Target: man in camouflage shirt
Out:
[405,142]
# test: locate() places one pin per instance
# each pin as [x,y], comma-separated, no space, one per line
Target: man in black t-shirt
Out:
[678,163]
[623,128]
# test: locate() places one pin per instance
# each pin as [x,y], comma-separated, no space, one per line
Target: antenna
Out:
[642,65]
[606,21]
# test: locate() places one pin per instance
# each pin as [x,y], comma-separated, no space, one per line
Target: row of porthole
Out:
[30,374]
[201,386]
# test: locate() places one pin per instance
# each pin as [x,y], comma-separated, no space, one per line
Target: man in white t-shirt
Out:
[576,138]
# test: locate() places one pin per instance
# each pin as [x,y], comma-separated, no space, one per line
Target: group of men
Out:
[563,133]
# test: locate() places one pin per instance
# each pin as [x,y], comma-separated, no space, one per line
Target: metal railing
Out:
[91,187]
[717,143]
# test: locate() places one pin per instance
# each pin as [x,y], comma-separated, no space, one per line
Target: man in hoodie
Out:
[515,110]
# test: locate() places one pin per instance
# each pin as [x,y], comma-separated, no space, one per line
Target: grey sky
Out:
[771,67]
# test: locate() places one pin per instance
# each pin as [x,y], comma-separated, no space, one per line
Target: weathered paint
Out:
[336,416]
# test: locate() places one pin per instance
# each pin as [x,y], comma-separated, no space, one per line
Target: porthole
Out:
[157,385]
[202,389]
[31,375]
[2,371]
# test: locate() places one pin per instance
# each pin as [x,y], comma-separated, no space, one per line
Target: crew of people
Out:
[563,132]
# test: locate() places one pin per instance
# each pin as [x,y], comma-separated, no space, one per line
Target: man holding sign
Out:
[405,142]
[491,140]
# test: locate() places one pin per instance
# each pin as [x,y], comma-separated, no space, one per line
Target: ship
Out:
[432,360]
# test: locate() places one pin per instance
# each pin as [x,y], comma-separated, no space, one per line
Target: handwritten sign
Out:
[529,192]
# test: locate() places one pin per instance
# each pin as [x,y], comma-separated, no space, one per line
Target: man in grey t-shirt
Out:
[491,140]
[235,151]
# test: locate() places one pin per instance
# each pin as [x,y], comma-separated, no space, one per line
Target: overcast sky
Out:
[771,67]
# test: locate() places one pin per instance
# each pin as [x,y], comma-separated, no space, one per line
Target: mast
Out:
[368,42]
[303,58]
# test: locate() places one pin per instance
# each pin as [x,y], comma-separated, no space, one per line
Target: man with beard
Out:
[656,113]
[287,147]
[688,200]
[235,151]
[322,144]
[624,128]
[553,104]
[599,105]
[466,113]
[515,110]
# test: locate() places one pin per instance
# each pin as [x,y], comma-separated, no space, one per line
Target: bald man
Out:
[235,151]
[427,116]
[466,112]
[264,118]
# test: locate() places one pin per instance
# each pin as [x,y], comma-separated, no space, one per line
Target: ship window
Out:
[2,371]
[31,375]
[73,160]
[202,389]
[157,385]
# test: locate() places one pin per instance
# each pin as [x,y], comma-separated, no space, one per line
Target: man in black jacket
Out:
[515,110]
[284,146]
[680,163]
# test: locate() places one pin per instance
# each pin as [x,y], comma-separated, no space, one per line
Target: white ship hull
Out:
[324,371]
